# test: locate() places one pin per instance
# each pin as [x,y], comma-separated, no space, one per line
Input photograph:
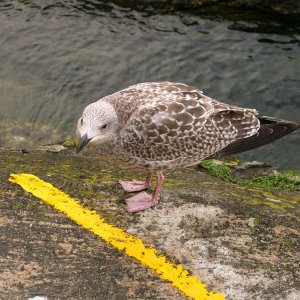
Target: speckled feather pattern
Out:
[164,125]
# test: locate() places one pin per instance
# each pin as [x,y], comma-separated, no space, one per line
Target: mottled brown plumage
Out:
[164,125]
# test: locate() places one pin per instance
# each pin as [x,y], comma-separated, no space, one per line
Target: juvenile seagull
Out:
[162,125]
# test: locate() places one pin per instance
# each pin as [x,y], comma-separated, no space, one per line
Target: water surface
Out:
[58,56]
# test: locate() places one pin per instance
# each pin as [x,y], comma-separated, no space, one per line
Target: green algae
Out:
[272,181]
[218,170]
[70,143]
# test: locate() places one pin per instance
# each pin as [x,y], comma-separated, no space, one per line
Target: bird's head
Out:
[97,125]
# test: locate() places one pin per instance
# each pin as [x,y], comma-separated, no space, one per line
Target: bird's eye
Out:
[81,121]
[104,126]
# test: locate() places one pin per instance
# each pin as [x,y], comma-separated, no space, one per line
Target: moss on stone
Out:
[284,180]
[70,143]
[219,170]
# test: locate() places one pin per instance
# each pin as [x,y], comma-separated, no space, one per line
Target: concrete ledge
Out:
[242,242]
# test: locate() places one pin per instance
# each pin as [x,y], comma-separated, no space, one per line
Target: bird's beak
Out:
[83,141]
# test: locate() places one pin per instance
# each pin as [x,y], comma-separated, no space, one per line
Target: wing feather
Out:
[270,130]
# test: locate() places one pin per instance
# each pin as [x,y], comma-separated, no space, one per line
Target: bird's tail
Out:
[270,130]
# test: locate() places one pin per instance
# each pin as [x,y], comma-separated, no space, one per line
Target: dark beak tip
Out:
[83,141]
[78,149]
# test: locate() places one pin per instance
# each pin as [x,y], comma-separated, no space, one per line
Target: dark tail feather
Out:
[270,130]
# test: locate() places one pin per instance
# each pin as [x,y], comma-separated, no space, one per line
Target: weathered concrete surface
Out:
[241,242]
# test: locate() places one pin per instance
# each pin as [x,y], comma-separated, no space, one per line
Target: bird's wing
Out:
[183,121]
[236,123]
[165,117]
[270,130]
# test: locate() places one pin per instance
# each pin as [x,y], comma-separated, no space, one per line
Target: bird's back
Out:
[172,124]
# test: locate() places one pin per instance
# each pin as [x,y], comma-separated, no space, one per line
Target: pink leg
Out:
[136,186]
[143,200]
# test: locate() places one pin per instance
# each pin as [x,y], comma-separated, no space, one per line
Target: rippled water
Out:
[58,56]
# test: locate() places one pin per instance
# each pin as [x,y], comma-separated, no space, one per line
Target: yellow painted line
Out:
[188,284]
